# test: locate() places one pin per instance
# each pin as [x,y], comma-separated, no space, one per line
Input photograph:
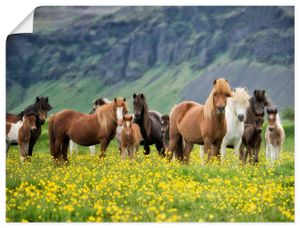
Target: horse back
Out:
[12,118]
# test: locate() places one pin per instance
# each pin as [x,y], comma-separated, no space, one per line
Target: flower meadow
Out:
[148,189]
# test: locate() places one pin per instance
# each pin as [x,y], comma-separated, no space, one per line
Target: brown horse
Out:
[85,129]
[200,124]
[130,137]
[41,107]
[20,133]
[251,140]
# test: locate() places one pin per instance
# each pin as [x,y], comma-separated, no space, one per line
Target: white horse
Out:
[235,114]
[274,135]
[96,104]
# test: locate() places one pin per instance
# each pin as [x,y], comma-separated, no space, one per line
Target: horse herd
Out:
[228,119]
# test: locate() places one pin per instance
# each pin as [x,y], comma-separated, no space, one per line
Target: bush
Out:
[288,114]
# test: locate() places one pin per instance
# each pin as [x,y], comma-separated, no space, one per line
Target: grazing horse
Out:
[130,137]
[192,123]
[252,140]
[235,114]
[165,130]
[41,107]
[96,104]
[20,133]
[149,123]
[85,129]
[274,135]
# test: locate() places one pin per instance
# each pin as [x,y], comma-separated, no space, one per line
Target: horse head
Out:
[272,112]
[30,120]
[259,101]
[221,92]
[43,107]
[258,123]
[240,102]
[164,121]
[127,123]
[139,105]
[120,106]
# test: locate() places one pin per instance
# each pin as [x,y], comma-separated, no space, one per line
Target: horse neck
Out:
[26,127]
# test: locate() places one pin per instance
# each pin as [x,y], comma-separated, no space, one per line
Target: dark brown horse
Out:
[41,107]
[85,129]
[165,130]
[251,140]
[200,124]
[149,122]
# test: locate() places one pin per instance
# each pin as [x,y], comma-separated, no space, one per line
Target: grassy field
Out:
[148,188]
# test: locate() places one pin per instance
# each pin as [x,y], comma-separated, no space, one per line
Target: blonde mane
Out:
[106,117]
[220,86]
[241,97]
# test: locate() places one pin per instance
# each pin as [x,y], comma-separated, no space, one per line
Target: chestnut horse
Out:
[85,129]
[200,124]
[41,107]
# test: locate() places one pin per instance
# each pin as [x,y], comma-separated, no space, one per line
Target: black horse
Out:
[40,109]
[149,122]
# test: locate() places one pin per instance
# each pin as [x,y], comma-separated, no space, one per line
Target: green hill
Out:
[77,54]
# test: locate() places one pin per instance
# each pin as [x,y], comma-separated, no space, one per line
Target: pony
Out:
[149,123]
[85,129]
[235,114]
[257,102]
[274,135]
[165,129]
[96,104]
[20,133]
[192,123]
[130,137]
[41,107]
[251,140]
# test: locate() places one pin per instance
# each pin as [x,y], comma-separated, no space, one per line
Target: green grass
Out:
[148,188]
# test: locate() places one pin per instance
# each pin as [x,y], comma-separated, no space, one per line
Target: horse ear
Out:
[263,92]
[255,92]
[142,96]
[234,90]
[245,88]
[130,118]
[47,99]
[115,100]
[215,81]
[124,99]
[37,99]
[134,96]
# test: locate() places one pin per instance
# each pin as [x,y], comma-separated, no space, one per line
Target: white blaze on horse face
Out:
[240,110]
[120,115]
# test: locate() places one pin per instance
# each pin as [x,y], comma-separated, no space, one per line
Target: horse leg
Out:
[160,148]
[103,146]
[237,147]
[223,147]
[146,148]
[92,150]
[187,151]
[64,149]
[33,138]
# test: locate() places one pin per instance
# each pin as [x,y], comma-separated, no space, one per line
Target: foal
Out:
[20,133]
[130,137]
[252,140]
[274,135]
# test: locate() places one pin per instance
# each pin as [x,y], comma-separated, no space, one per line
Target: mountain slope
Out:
[169,53]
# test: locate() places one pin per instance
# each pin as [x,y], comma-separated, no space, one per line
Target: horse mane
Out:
[146,119]
[220,86]
[106,117]
[35,107]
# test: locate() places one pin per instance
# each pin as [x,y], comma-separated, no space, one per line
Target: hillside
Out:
[170,53]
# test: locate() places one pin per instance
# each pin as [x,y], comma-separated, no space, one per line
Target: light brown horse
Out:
[130,137]
[200,124]
[85,129]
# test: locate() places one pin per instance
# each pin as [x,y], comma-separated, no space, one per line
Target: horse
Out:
[165,130]
[96,104]
[149,123]
[251,140]
[130,137]
[235,114]
[41,107]
[258,102]
[191,123]
[85,129]
[274,135]
[20,133]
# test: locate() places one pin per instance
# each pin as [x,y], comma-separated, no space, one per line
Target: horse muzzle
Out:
[33,128]
[120,122]
[271,128]
[259,130]
[42,122]
[221,109]
[241,117]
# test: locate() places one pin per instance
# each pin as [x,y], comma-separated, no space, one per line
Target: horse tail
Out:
[51,135]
